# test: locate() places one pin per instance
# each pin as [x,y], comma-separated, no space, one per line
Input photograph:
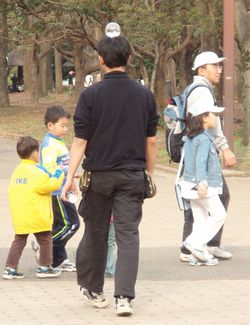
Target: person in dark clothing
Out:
[14,83]
[115,126]
[71,76]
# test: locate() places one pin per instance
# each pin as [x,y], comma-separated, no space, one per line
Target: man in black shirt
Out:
[115,127]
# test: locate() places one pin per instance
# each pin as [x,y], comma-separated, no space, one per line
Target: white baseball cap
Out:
[196,110]
[206,58]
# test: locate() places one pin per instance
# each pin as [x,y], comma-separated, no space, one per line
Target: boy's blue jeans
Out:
[112,253]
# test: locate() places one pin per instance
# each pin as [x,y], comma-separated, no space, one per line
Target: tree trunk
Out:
[155,66]
[79,66]
[58,72]
[242,25]
[44,71]
[27,69]
[161,88]
[4,97]
[34,71]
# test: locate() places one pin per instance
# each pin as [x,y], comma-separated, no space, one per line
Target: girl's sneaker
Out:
[12,273]
[193,261]
[47,272]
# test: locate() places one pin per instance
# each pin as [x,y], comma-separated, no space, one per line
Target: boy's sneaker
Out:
[11,273]
[97,300]
[124,306]
[36,248]
[67,266]
[47,272]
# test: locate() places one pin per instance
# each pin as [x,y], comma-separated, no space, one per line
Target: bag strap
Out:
[192,87]
[180,168]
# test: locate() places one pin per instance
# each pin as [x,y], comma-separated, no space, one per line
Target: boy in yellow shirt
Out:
[29,195]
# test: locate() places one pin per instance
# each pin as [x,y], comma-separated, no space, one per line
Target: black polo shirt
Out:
[115,116]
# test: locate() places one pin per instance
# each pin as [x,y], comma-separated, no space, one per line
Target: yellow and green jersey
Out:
[54,153]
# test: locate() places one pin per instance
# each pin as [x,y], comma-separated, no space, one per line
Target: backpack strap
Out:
[190,88]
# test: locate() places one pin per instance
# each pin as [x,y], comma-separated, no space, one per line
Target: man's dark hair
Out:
[194,124]
[54,113]
[25,146]
[114,51]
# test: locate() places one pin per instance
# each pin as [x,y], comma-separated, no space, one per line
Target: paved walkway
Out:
[168,292]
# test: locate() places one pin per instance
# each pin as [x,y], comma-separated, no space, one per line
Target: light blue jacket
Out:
[201,161]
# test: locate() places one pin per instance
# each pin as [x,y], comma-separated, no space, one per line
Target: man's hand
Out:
[69,186]
[229,158]
[202,190]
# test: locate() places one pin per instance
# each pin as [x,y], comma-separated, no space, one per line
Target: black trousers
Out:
[188,220]
[120,193]
[65,225]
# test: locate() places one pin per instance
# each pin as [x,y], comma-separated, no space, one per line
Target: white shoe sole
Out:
[48,275]
[200,263]
[12,277]
[65,269]
[124,312]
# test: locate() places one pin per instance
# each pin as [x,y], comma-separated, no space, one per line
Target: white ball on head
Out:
[112,30]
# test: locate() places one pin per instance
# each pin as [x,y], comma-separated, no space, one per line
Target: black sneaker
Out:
[124,306]
[11,273]
[97,300]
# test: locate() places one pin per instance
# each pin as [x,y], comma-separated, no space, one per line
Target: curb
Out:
[226,172]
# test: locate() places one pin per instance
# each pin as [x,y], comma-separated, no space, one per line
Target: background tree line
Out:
[165,36]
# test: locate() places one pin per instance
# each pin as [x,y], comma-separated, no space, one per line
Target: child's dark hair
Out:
[114,51]
[195,124]
[25,146]
[54,113]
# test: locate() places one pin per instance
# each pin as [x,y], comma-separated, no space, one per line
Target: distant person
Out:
[115,127]
[88,80]
[208,69]
[14,81]
[53,154]
[202,182]
[30,205]
[71,76]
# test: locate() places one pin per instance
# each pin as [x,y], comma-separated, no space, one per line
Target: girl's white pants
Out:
[209,216]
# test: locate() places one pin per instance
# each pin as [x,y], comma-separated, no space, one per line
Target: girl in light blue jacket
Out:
[202,183]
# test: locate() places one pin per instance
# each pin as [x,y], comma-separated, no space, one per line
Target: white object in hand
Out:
[71,197]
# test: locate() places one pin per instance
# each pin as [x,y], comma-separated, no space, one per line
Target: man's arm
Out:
[151,153]
[229,158]
[222,145]
[75,157]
